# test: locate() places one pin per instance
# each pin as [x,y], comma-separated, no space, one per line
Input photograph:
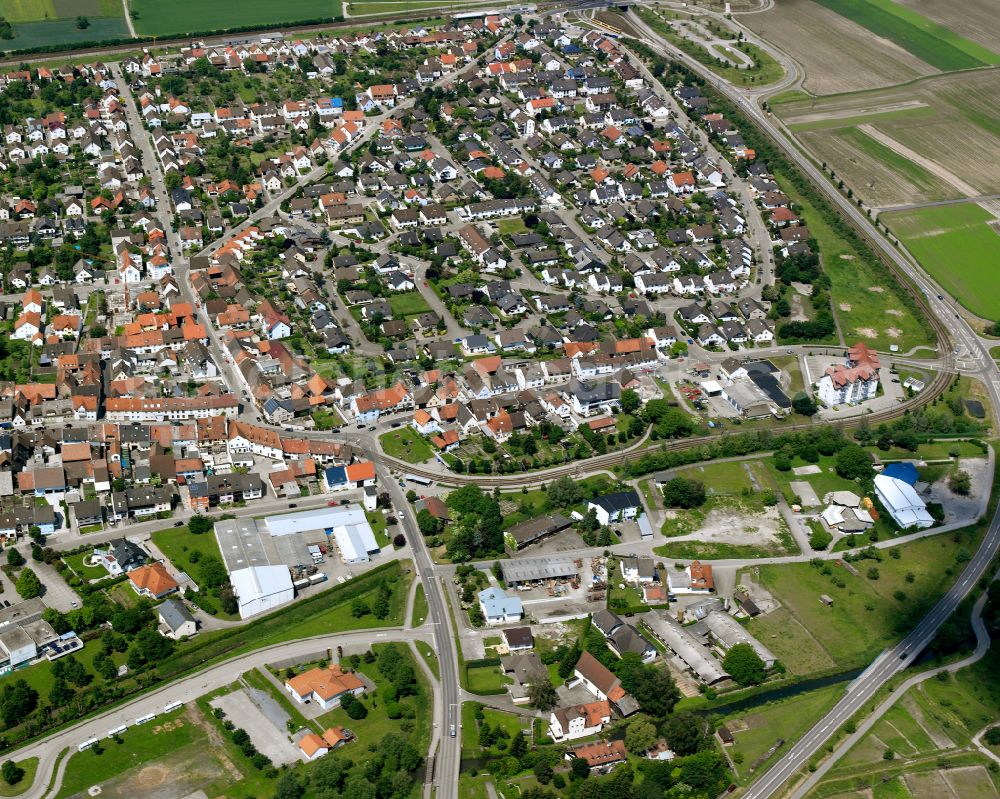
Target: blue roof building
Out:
[902,470]
[335,476]
[498,608]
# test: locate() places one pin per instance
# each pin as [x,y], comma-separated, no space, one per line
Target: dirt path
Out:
[933,167]
[194,715]
[848,113]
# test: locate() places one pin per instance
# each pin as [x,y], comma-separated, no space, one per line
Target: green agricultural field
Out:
[928,41]
[406,445]
[154,17]
[958,247]
[908,169]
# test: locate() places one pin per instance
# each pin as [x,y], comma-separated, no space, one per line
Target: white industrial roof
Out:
[320,519]
[260,581]
[902,502]
[355,541]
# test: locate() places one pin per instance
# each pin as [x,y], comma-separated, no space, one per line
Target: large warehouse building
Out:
[259,553]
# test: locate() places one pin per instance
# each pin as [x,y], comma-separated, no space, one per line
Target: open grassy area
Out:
[495,719]
[419,606]
[139,745]
[30,766]
[186,16]
[64,31]
[928,41]
[866,615]
[880,317]
[409,303]
[509,227]
[958,247]
[755,733]
[405,444]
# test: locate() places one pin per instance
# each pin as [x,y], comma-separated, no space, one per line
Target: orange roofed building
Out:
[153,581]
[327,687]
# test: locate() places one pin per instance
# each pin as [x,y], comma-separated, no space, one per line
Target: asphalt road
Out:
[449,746]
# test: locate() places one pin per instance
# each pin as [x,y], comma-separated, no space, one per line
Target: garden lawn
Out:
[486,680]
[494,718]
[958,247]
[188,16]
[377,521]
[406,444]
[85,572]
[510,227]
[409,303]
[179,543]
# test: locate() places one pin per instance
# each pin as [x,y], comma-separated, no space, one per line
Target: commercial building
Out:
[498,608]
[902,502]
[260,589]
[534,570]
[690,650]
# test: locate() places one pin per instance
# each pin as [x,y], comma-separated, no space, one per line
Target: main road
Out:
[967,343]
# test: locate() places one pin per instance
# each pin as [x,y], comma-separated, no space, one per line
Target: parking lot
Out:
[268,734]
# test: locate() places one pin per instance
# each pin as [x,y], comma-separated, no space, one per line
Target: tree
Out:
[959,483]
[804,405]
[543,694]
[353,707]
[685,732]
[640,736]
[543,771]
[744,665]
[28,585]
[11,772]
[17,701]
[992,736]
[199,524]
[682,492]
[630,401]
[563,492]
[427,523]
[359,608]
[289,787]
[82,23]
[518,746]
[652,688]
[14,558]
[579,768]
[854,463]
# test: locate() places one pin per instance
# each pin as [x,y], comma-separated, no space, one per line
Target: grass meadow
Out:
[958,247]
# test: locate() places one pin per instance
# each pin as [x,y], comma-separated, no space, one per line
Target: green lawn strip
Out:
[958,247]
[378,524]
[420,609]
[470,787]
[410,303]
[139,745]
[30,766]
[405,444]
[851,277]
[179,543]
[427,653]
[928,41]
[756,732]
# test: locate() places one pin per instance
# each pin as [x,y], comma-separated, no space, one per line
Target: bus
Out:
[86,745]
[172,706]
[144,719]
